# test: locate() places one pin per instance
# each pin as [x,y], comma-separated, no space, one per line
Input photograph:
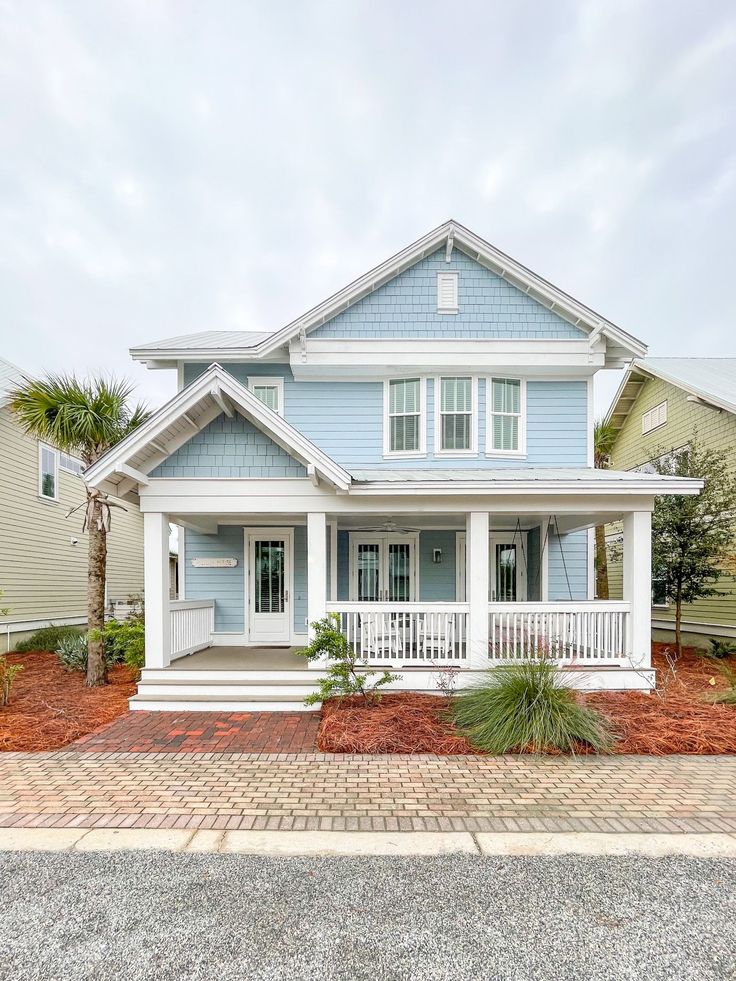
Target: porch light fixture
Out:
[437,555]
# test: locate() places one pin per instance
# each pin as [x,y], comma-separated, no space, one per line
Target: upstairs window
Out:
[455,417]
[506,400]
[654,418]
[70,464]
[447,293]
[270,391]
[404,410]
[48,462]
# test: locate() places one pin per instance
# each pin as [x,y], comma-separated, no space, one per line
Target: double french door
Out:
[508,568]
[383,568]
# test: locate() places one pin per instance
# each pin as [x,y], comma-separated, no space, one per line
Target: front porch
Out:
[416,593]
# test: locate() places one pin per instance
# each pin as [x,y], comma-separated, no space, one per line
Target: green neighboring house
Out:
[660,406]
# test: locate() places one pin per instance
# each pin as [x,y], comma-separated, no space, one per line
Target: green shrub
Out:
[8,673]
[347,674]
[125,640]
[526,706]
[721,648]
[72,652]
[47,638]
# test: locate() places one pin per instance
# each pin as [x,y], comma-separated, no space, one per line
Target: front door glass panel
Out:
[270,588]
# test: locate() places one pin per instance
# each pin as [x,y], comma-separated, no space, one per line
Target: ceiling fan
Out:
[390,527]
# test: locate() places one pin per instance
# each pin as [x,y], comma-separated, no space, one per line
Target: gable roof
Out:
[709,380]
[188,412]
[450,234]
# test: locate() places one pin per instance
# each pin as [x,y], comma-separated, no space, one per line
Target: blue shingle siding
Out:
[230,448]
[488,307]
[225,586]
[345,419]
[568,566]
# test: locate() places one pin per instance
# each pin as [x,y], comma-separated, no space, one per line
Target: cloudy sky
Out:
[178,166]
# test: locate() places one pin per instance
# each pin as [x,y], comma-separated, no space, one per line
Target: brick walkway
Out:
[296,791]
[205,732]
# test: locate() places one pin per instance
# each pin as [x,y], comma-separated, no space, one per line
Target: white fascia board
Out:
[270,422]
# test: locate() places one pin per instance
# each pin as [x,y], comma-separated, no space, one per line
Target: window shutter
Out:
[447,292]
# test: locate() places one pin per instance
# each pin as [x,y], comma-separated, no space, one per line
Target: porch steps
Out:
[225,691]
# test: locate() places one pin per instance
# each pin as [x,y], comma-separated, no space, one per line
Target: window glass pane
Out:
[506,573]
[506,395]
[455,432]
[269,575]
[398,572]
[69,463]
[48,472]
[457,395]
[368,572]
[268,394]
[404,433]
[404,395]
[505,432]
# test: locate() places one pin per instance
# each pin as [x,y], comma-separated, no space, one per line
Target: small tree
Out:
[347,674]
[85,418]
[693,536]
[604,436]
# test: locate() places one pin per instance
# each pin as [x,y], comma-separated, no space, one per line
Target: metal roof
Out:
[10,377]
[224,340]
[542,474]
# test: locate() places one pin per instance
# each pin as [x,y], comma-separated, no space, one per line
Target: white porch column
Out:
[156,577]
[316,568]
[637,589]
[476,575]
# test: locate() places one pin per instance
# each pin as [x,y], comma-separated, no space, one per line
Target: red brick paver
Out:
[205,732]
[387,793]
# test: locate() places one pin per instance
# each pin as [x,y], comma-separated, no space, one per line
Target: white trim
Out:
[591,563]
[333,561]
[521,450]
[472,245]
[449,454]
[182,566]
[461,566]
[695,626]
[405,454]
[55,454]
[275,531]
[269,381]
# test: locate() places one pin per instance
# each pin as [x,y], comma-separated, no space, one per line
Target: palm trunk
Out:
[601,563]
[96,662]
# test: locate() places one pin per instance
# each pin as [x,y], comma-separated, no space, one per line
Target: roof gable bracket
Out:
[450,244]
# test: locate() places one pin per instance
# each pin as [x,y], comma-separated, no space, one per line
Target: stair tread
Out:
[143,697]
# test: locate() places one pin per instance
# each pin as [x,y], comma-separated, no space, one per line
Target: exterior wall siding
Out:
[685,421]
[43,575]
[489,307]
[230,448]
[568,566]
[345,419]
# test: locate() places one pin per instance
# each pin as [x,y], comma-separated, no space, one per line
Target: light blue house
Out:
[414,454]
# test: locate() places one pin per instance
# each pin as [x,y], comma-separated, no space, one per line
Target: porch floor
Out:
[241,659]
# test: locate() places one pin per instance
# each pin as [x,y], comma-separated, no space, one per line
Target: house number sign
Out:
[214,563]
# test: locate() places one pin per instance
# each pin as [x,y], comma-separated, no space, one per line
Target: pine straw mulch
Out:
[50,707]
[676,719]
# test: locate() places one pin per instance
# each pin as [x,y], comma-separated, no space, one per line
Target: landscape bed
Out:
[676,719]
[51,707]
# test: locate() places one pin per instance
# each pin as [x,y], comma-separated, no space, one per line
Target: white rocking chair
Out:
[381,638]
[437,636]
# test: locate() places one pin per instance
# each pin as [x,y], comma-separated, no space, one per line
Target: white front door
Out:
[269,586]
[508,568]
[384,568]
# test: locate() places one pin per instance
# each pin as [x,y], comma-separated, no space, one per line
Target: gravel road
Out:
[158,915]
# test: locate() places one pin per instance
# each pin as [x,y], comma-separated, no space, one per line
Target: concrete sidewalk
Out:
[318,792]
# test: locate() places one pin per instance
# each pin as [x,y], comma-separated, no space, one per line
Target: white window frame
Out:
[438,451]
[405,454]
[65,466]
[453,276]
[521,450]
[268,381]
[55,453]
[651,419]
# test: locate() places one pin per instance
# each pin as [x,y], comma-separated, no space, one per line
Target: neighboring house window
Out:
[69,464]
[455,417]
[270,391]
[404,427]
[506,407]
[447,293]
[47,472]
[659,592]
[654,418]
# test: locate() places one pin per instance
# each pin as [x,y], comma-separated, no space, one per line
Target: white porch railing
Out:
[586,632]
[192,623]
[405,633]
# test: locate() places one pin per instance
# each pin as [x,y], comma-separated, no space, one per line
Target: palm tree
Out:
[83,418]
[604,436]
